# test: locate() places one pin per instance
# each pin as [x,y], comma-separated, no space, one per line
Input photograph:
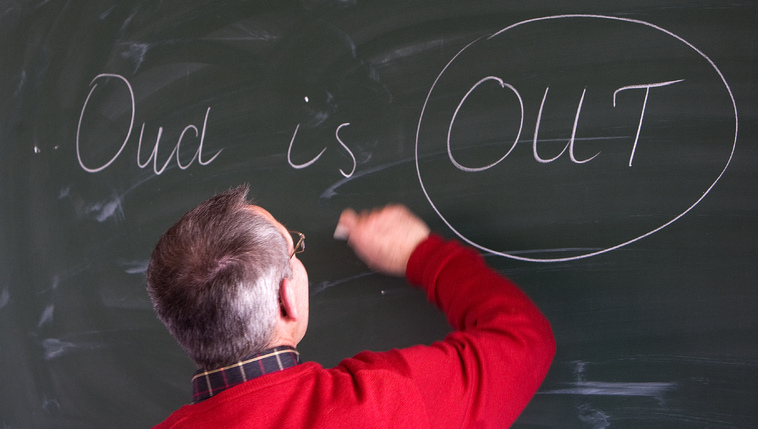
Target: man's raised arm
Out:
[485,372]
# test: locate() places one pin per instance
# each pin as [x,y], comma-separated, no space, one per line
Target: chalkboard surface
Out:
[602,154]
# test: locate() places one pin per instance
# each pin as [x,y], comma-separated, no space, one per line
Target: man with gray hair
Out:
[227,283]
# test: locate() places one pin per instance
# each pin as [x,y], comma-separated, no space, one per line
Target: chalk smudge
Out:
[47,316]
[594,419]
[55,348]
[134,267]
[106,209]
[5,296]
[322,286]
[607,388]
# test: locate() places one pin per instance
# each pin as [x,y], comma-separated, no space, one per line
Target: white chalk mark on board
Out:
[51,406]
[331,191]
[646,87]
[55,283]
[463,100]
[5,296]
[256,34]
[537,132]
[47,315]
[81,116]
[572,140]
[289,153]
[105,14]
[136,52]
[337,135]
[429,106]
[322,286]
[570,144]
[556,250]
[56,348]
[199,133]
[596,419]
[105,210]
[21,83]
[135,267]
[316,158]
[608,388]
[175,152]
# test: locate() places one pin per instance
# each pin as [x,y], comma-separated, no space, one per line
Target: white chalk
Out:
[341,232]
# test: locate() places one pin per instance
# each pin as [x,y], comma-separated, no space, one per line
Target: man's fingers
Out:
[384,237]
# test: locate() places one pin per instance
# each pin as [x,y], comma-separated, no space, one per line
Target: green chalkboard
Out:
[602,154]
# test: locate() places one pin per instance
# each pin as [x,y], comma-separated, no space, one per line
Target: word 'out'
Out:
[570,145]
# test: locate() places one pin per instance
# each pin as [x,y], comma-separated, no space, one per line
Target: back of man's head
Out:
[214,279]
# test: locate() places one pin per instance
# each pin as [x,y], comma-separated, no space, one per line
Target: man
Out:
[227,282]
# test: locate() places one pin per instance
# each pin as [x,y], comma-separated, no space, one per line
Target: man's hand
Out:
[383,238]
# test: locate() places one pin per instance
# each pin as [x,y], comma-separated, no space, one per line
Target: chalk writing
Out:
[313,160]
[569,146]
[463,100]
[644,104]
[154,154]
[671,134]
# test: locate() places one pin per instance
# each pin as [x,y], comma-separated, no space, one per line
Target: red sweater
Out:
[481,375]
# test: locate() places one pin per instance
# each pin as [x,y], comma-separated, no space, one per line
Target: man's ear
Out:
[287,300]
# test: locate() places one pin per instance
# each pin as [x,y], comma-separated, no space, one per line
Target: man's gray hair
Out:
[214,279]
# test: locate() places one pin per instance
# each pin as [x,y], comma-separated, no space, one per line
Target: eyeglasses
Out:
[299,244]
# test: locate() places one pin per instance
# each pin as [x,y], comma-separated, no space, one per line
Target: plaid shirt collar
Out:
[209,383]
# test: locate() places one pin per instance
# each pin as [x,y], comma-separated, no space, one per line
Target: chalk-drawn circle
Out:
[432,116]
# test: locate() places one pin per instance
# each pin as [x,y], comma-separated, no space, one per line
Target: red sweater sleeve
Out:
[484,373]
